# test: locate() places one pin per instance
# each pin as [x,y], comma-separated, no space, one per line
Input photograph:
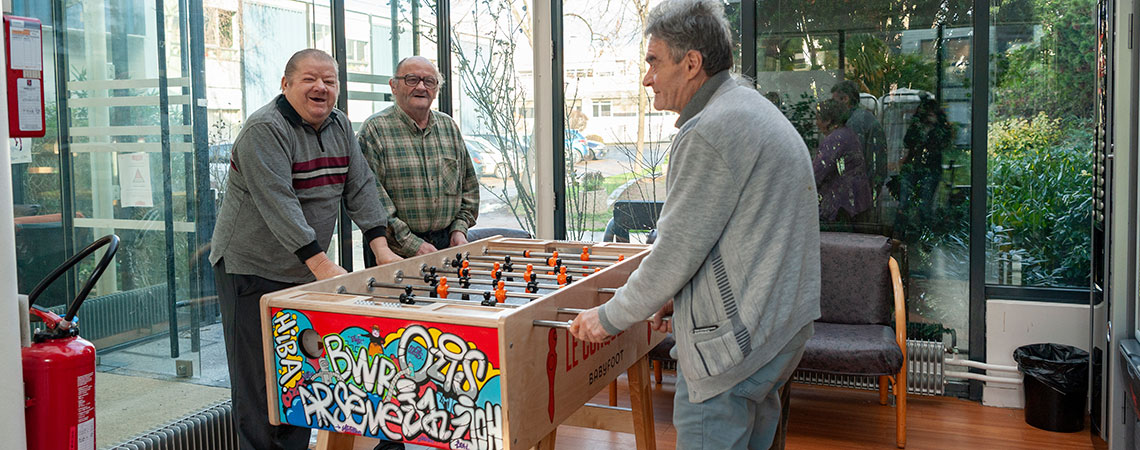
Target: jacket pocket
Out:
[717,348]
[449,176]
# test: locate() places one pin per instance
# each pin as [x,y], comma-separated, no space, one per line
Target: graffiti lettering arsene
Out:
[390,379]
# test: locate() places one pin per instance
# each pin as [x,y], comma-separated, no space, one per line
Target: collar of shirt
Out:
[294,118]
[412,126]
[702,97]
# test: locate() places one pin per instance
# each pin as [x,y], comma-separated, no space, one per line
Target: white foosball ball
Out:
[467,348]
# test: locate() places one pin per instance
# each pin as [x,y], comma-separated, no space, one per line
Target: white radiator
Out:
[209,429]
[924,375]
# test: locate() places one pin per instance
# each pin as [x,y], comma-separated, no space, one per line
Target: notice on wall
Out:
[29,92]
[20,150]
[24,43]
[134,180]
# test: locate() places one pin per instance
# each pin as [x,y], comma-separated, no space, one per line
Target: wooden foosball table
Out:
[467,348]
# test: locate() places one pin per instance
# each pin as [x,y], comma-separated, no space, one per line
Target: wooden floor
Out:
[829,418]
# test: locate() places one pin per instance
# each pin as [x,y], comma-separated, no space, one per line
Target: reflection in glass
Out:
[893,58]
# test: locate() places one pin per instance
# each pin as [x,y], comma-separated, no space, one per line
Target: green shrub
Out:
[1040,197]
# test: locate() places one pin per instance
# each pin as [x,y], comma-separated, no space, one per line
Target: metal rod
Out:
[513,274]
[451,289]
[610,291]
[450,301]
[536,267]
[523,284]
[570,310]
[983,378]
[167,176]
[565,261]
[552,324]
[547,254]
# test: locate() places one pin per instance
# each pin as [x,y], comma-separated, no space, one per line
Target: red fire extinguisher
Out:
[59,367]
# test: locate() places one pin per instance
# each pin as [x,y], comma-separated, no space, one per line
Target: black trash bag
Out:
[1063,368]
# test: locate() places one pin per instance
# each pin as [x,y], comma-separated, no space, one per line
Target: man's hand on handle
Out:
[659,321]
[588,327]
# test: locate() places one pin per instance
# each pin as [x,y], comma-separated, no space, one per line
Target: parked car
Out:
[487,158]
[597,147]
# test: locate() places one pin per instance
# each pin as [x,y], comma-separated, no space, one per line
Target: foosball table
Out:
[467,348]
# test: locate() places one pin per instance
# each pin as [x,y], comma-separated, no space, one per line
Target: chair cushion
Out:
[855,281]
[852,350]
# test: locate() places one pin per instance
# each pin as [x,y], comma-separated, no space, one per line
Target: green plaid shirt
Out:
[425,177]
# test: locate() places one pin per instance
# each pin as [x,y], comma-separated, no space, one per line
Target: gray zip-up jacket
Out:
[737,242]
[283,196]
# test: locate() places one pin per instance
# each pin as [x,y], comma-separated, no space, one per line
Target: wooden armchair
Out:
[861,289]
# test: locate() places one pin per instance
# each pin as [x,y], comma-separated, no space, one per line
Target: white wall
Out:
[11,371]
[1011,324]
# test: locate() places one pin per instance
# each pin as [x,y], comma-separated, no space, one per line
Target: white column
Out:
[544,142]
[11,370]
[102,180]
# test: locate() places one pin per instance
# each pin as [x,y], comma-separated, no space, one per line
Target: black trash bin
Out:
[1056,383]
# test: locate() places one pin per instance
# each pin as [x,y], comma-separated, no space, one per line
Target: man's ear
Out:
[282,84]
[694,63]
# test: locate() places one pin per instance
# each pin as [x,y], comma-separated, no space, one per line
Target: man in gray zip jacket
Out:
[293,163]
[738,239]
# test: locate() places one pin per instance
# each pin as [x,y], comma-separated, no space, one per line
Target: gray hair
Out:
[693,25]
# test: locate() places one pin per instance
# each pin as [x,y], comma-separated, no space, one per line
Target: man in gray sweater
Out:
[738,239]
[293,163]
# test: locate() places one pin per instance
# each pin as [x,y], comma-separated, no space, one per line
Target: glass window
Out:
[491,86]
[1041,144]
[603,108]
[378,36]
[121,156]
[905,77]
[616,142]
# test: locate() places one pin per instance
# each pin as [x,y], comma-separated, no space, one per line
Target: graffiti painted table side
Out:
[420,382]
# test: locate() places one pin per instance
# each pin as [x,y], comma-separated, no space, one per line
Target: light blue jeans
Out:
[743,417]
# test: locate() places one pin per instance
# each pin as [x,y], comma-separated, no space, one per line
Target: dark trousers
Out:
[240,300]
[441,239]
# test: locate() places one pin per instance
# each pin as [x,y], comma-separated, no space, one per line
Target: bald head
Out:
[417,60]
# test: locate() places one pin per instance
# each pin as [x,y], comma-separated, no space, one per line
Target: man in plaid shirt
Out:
[423,172]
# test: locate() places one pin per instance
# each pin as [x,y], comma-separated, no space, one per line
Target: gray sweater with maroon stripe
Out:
[285,187]
[737,242]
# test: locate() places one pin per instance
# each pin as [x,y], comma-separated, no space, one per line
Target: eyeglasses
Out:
[412,80]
